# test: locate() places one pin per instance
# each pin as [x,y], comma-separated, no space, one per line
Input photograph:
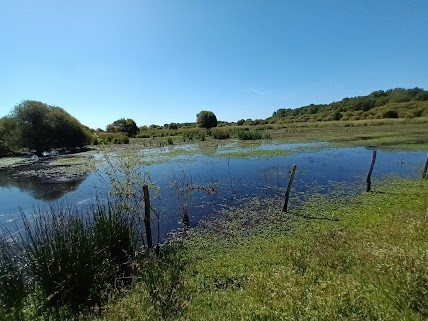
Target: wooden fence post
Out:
[147,220]
[425,173]
[287,192]
[369,175]
[185,219]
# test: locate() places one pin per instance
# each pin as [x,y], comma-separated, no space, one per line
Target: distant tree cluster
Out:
[127,126]
[38,126]
[391,103]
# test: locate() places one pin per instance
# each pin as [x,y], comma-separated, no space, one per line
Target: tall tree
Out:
[206,119]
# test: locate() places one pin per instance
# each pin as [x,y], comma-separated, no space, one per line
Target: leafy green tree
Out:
[173,126]
[206,119]
[7,140]
[123,125]
[40,127]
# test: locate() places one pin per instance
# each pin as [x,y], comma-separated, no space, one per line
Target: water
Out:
[215,181]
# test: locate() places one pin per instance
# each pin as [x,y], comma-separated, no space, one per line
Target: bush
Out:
[143,135]
[173,126]
[191,134]
[249,135]
[113,138]
[389,114]
[40,127]
[220,134]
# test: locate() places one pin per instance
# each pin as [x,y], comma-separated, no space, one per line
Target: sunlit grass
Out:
[360,258]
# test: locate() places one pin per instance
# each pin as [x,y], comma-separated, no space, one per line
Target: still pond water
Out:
[218,180]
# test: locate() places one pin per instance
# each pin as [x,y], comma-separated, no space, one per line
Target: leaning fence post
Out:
[369,175]
[425,173]
[287,192]
[147,220]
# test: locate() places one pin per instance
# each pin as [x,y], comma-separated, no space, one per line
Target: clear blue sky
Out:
[162,61]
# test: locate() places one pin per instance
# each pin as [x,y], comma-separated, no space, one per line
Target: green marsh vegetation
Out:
[334,257]
[358,258]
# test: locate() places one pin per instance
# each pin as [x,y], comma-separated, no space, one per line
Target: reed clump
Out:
[63,258]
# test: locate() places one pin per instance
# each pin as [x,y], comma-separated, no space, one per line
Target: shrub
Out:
[143,135]
[389,114]
[249,135]
[191,134]
[173,126]
[114,138]
[220,134]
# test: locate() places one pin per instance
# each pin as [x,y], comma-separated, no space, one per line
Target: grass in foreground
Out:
[345,258]
[363,258]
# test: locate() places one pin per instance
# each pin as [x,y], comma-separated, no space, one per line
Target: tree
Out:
[206,119]
[40,127]
[7,140]
[123,125]
[173,126]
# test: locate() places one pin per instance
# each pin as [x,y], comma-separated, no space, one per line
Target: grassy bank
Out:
[398,134]
[359,258]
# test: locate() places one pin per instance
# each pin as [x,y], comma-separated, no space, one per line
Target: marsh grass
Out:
[12,284]
[398,134]
[359,257]
[363,257]
[162,277]
[249,135]
[62,258]
[65,260]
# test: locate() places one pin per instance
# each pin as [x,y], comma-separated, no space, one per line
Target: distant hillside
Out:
[392,103]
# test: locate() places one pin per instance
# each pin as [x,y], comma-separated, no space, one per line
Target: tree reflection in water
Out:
[40,189]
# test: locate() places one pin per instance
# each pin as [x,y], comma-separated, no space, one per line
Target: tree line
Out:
[392,103]
[39,127]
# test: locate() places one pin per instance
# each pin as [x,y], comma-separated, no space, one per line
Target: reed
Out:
[72,259]
[12,285]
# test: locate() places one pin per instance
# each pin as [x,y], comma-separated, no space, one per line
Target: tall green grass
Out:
[12,284]
[71,260]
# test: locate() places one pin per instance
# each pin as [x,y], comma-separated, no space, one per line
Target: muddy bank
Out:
[51,169]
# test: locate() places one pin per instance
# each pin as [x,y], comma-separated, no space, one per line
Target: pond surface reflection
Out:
[216,180]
